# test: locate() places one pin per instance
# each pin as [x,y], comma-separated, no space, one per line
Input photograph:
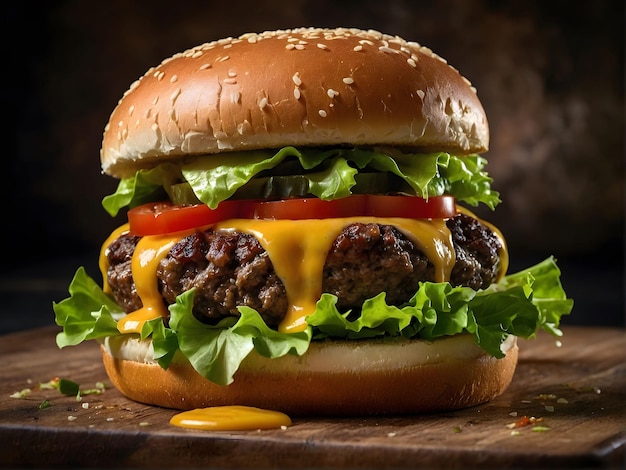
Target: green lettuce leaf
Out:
[330,172]
[520,305]
[87,314]
[216,351]
[164,341]
[145,186]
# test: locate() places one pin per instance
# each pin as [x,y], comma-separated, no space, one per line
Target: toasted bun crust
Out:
[338,378]
[294,87]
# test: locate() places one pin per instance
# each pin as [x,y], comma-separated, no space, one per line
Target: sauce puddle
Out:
[230,418]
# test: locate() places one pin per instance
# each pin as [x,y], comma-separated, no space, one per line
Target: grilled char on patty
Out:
[232,269]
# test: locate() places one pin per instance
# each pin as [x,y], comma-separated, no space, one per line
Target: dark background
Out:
[550,75]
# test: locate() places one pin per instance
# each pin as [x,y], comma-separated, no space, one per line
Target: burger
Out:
[299,235]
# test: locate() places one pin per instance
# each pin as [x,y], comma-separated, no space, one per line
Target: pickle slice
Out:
[290,186]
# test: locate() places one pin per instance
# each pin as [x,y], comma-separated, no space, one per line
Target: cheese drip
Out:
[503,253]
[297,249]
[148,253]
[146,257]
[103,262]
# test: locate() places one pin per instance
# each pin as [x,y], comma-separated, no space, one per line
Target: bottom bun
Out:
[334,378]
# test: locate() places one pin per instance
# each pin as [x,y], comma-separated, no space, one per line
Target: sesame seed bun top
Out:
[294,87]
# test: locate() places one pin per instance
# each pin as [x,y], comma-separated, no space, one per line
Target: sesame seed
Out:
[196,54]
[205,66]
[174,78]
[332,93]
[411,62]
[421,94]
[348,80]
[159,75]
[296,93]
[230,80]
[222,59]
[232,73]
[290,46]
[175,95]
[263,102]
[131,110]
[299,47]
[358,48]
[322,46]
[296,79]
[388,50]
[322,113]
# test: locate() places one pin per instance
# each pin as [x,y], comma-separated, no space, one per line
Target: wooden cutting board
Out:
[576,395]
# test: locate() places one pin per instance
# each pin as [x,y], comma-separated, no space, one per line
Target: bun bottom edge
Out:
[448,384]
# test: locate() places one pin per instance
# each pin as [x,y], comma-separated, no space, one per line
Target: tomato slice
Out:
[164,217]
[411,207]
[156,218]
[305,208]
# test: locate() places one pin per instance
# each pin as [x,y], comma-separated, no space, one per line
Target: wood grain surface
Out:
[575,394]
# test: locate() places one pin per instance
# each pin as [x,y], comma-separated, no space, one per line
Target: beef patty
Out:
[232,269]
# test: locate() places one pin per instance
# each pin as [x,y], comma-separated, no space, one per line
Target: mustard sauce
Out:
[230,418]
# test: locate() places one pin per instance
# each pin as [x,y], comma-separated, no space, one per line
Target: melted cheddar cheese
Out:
[297,249]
